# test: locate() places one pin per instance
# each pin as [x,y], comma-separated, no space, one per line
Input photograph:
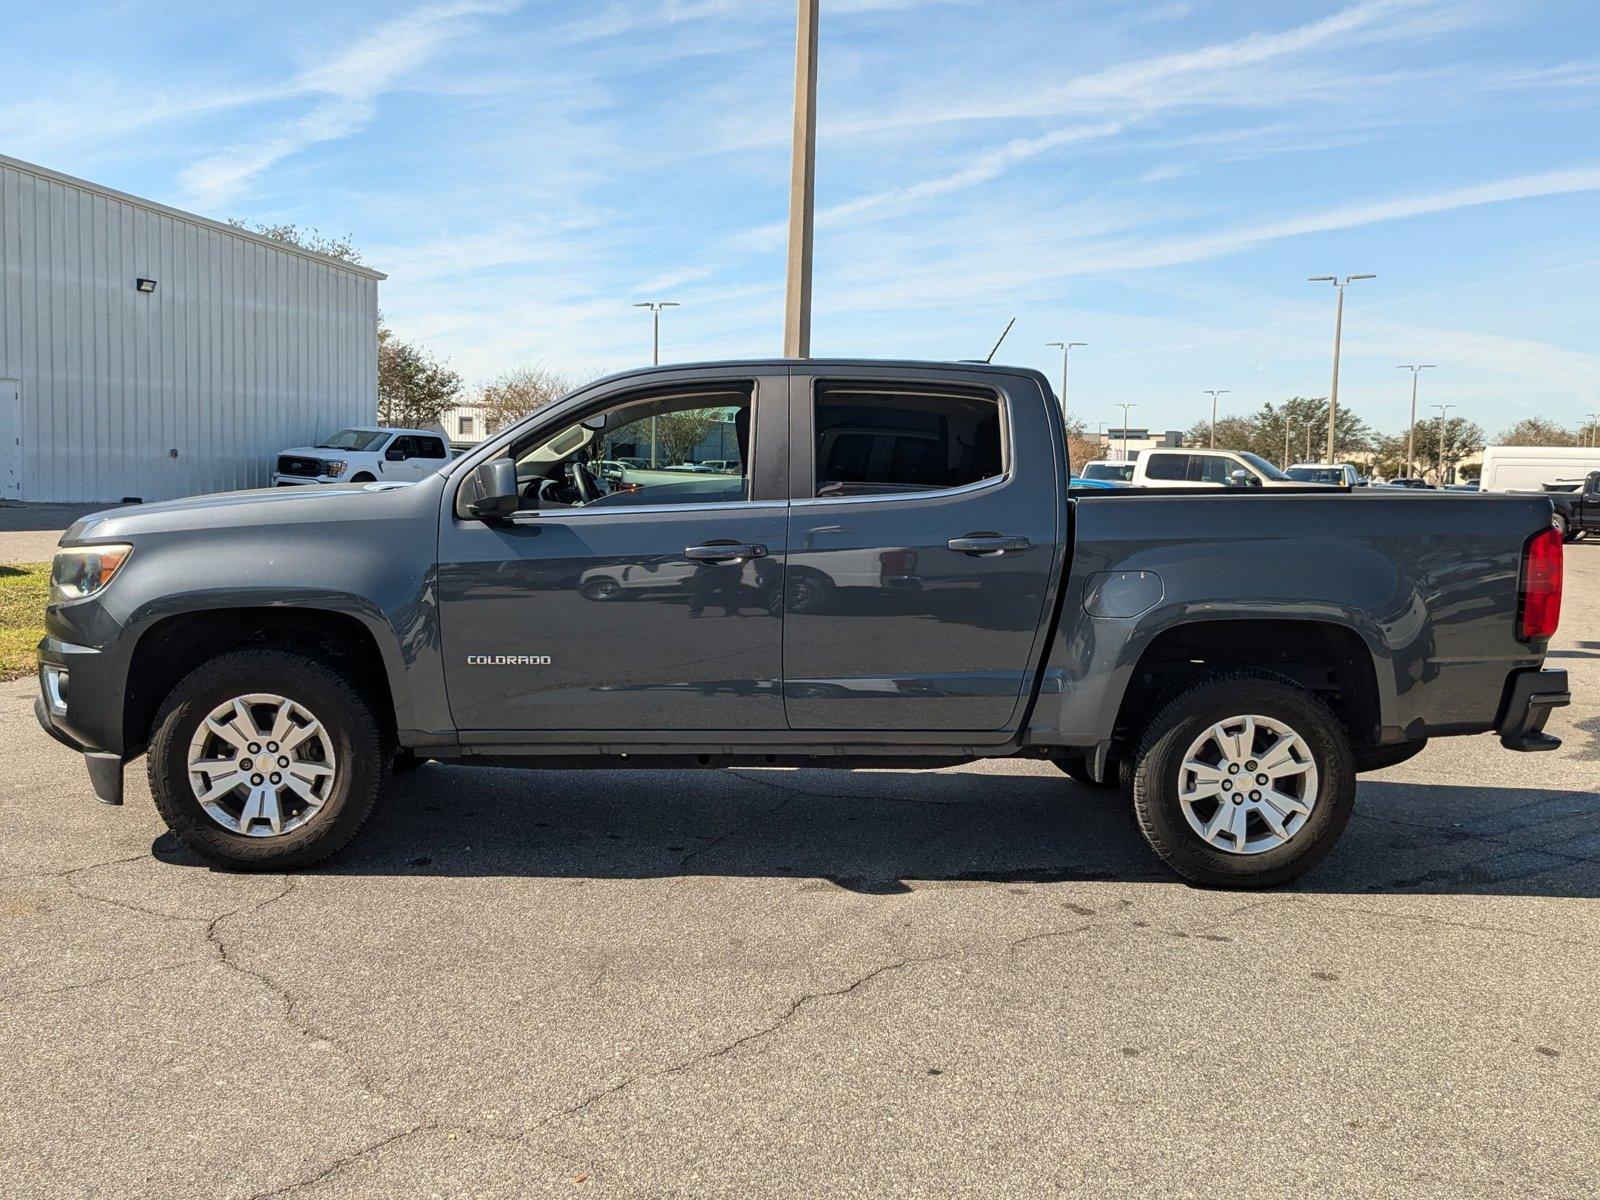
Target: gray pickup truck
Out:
[896,574]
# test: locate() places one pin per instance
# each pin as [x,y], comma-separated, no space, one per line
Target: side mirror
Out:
[492,490]
[1243,478]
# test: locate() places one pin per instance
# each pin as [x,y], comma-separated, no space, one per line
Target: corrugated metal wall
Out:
[243,349]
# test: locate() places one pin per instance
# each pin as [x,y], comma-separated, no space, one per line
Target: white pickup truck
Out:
[364,454]
[1185,468]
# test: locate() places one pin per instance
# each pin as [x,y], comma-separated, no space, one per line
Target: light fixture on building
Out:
[144,285]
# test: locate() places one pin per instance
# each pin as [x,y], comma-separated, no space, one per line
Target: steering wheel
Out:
[583,480]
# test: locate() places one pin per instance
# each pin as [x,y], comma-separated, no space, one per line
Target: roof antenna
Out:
[1002,338]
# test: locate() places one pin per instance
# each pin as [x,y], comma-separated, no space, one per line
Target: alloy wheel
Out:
[1247,784]
[261,765]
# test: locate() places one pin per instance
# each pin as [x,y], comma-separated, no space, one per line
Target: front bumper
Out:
[105,770]
[1530,697]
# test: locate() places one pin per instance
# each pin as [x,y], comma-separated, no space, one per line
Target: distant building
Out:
[1125,445]
[149,352]
[465,424]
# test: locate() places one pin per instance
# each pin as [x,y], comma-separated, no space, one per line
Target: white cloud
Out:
[349,83]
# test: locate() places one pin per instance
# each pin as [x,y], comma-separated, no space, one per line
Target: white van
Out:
[1529,468]
[1208,468]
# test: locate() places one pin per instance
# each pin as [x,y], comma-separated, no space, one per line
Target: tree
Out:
[1294,425]
[310,238]
[1081,448]
[1537,431]
[517,392]
[678,433]
[1461,437]
[413,387]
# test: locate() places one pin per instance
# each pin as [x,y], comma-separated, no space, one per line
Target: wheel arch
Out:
[1330,659]
[171,646]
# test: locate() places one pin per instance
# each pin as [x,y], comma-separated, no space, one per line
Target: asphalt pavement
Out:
[782,983]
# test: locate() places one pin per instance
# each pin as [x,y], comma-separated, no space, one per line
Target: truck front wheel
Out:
[1242,782]
[265,760]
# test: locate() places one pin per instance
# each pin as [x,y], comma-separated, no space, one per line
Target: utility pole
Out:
[1125,409]
[1065,348]
[802,186]
[655,307]
[1286,440]
[1214,393]
[1338,330]
[1443,409]
[1594,428]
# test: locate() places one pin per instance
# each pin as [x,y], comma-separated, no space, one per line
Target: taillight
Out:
[1539,598]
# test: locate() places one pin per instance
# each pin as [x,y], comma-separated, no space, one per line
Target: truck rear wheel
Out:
[1242,782]
[265,760]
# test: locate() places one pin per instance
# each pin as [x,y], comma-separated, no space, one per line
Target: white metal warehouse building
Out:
[147,352]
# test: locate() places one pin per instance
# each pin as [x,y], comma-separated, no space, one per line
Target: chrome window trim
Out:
[534,515]
[965,489]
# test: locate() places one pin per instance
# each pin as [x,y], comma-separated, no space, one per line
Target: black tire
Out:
[601,590]
[1563,527]
[1376,758]
[1153,780]
[362,477]
[1075,766]
[361,757]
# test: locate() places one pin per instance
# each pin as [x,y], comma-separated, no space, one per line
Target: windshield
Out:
[1262,465]
[1317,474]
[1108,470]
[353,439]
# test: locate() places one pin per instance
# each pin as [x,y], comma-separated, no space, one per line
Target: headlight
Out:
[334,468]
[81,571]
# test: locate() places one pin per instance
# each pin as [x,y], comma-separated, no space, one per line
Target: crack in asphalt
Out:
[339,1164]
[735,831]
[67,872]
[1425,919]
[1454,834]
[795,1005]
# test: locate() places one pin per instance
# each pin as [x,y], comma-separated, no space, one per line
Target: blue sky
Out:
[1156,178]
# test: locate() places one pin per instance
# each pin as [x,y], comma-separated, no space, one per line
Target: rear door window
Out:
[1169,467]
[874,442]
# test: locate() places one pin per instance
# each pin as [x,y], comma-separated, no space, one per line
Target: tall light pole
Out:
[655,307]
[1066,349]
[1594,428]
[1443,409]
[802,186]
[1338,330]
[1125,409]
[1411,432]
[1214,393]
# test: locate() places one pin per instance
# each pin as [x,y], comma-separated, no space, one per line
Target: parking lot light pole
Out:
[1066,349]
[1338,330]
[1411,432]
[1443,409]
[655,307]
[1125,409]
[1214,393]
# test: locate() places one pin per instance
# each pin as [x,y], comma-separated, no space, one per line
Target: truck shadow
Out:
[887,832]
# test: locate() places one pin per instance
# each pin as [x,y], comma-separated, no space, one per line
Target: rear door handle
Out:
[977,544]
[724,552]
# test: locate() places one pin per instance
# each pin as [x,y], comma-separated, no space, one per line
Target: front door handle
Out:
[724,552]
[977,544]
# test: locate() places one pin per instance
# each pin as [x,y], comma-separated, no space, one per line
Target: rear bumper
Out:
[1530,697]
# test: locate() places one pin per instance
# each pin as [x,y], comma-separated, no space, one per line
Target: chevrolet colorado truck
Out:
[899,576]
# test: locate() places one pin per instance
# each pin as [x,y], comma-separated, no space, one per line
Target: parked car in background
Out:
[1338,474]
[1577,509]
[1209,468]
[1116,472]
[1531,468]
[364,455]
[1407,482]
[1470,486]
